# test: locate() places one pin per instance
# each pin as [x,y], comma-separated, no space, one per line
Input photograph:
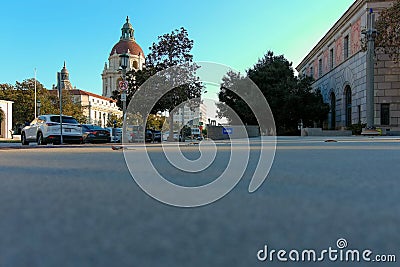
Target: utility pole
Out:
[59,87]
[35,95]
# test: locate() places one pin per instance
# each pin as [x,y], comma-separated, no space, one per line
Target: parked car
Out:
[157,136]
[95,134]
[46,129]
[134,133]
[165,136]
[152,136]
[148,137]
[115,134]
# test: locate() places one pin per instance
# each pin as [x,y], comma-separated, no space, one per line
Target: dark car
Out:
[148,137]
[157,136]
[95,134]
[152,136]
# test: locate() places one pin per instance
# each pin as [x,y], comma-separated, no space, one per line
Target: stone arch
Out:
[347,103]
[135,65]
[345,84]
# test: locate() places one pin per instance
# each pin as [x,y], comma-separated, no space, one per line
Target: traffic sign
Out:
[123,85]
[227,130]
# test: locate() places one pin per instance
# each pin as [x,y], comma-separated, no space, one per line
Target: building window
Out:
[385,114]
[348,105]
[346,47]
[320,67]
[331,58]
[311,72]
[95,114]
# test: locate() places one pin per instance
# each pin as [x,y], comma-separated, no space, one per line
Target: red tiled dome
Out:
[123,45]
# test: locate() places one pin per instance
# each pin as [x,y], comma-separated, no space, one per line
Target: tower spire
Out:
[127,30]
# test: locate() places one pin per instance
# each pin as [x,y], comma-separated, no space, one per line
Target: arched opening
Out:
[135,65]
[333,111]
[347,104]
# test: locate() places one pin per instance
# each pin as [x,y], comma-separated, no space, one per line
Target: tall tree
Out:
[388,27]
[114,119]
[23,95]
[289,98]
[228,99]
[172,49]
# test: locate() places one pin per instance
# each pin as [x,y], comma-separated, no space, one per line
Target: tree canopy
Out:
[388,27]
[171,49]
[23,95]
[291,99]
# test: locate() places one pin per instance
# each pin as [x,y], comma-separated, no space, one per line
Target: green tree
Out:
[114,118]
[171,49]
[388,28]
[229,99]
[155,122]
[289,97]
[23,96]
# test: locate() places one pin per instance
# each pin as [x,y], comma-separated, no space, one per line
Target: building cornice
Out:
[329,38]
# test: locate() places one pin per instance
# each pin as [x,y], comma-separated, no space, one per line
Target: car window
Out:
[95,127]
[64,119]
[88,126]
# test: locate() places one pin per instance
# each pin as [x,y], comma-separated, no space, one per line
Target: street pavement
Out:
[79,206]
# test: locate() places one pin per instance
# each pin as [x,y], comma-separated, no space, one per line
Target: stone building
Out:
[6,122]
[126,45]
[96,108]
[338,65]
[195,117]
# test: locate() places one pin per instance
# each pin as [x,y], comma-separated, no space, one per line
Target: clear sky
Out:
[42,34]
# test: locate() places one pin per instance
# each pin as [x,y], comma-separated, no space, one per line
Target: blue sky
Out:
[42,34]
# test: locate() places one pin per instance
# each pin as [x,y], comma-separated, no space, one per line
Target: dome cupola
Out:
[127,31]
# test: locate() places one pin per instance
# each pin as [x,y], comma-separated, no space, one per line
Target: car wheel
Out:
[23,140]
[40,140]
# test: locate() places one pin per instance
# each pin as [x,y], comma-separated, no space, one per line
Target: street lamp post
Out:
[370,35]
[123,86]
[35,94]
[39,104]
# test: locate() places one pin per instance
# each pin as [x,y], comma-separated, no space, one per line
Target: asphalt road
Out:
[79,206]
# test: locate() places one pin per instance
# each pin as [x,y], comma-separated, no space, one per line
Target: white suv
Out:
[46,129]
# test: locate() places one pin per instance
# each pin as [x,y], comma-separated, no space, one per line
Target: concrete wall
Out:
[350,73]
[320,132]
[217,132]
[387,90]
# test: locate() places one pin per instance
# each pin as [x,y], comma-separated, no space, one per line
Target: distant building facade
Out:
[191,116]
[96,108]
[338,65]
[6,123]
[127,45]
